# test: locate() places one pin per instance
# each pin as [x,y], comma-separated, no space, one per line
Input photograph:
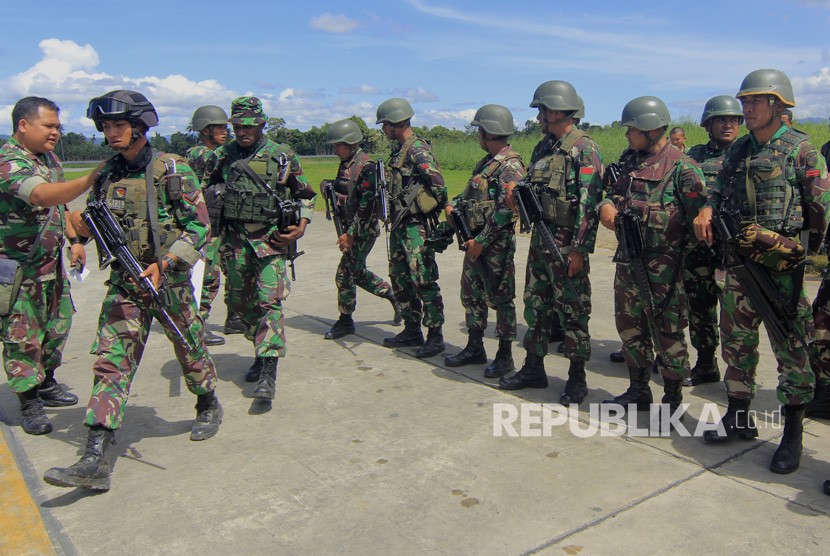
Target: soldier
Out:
[677,136]
[787,117]
[663,187]
[263,179]
[417,196]
[488,276]
[166,225]
[356,188]
[778,182]
[819,406]
[211,123]
[566,173]
[722,118]
[35,322]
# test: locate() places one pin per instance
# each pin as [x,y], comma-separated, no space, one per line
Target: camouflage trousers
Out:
[548,298]
[256,288]
[820,348]
[670,316]
[352,272]
[739,322]
[702,295]
[414,276]
[34,332]
[123,327]
[211,282]
[491,282]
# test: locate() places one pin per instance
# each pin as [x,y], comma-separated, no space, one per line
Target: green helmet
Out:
[344,131]
[768,82]
[394,110]
[580,112]
[645,113]
[122,105]
[494,119]
[556,95]
[208,115]
[721,105]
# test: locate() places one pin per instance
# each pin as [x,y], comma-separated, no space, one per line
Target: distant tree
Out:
[160,143]
[532,127]
[181,142]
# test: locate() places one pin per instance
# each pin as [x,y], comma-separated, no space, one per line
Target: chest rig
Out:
[406,193]
[762,186]
[710,161]
[554,177]
[348,183]
[478,201]
[256,183]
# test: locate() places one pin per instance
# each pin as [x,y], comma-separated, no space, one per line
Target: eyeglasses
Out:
[106,106]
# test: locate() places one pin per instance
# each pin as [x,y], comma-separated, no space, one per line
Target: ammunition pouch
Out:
[11,276]
[140,242]
[477,213]
[556,209]
[770,249]
[425,201]
[248,207]
[215,201]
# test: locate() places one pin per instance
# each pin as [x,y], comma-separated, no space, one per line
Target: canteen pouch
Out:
[11,275]
[770,249]
[425,201]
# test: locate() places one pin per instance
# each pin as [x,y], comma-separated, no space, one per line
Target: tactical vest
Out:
[348,179]
[404,180]
[127,199]
[478,201]
[554,178]
[777,198]
[710,162]
[246,198]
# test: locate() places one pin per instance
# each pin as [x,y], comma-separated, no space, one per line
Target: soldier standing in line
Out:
[356,189]
[211,123]
[566,173]
[819,406]
[482,205]
[778,182]
[165,224]
[417,196]
[34,323]
[722,119]
[664,188]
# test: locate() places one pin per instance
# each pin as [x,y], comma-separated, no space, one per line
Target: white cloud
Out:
[359,90]
[448,118]
[417,94]
[332,23]
[811,94]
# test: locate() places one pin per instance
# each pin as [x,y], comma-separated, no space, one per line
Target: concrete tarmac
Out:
[370,450]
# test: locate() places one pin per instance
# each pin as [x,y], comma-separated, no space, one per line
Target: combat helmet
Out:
[344,131]
[208,115]
[394,110]
[122,105]
[580,112]
[645,113]
[721,105]
[768,82]
[556,95]
[494,119]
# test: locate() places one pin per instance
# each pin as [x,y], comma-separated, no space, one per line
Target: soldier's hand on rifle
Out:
[576,261]
[292,233]
[448,210]
[345,242]
[78,223]
[154,273]
[703,225]
[608,216]
[474,250]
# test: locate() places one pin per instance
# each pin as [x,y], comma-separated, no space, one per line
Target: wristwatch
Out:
[169,260]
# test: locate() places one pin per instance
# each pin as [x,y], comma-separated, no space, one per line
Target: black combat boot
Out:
[672,394]
[819,407]
[531,375]
[254,371]
[213,339]
[576,388]
[208,416]
[705,370]
[52,394]
[34,419]
[617,356]
[472,354]
[343,327]
[234,325]
[787,457]
[398,318]
[267,387]
[503,363]
[93,469]
[638,391]
[737,422]
[411,335]
[434,344]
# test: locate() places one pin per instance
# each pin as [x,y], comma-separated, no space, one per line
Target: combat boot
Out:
[93,469]
[819,407]
[34,420]
[343,327]
[52,394]
[737,422]
[787,457]
[576,388]
[234,325]
[617,356]
[266,389]
[705,370]
[208,416]
[638,391]
[503,363]
[398,318]
[213,339]
[434,344]
[472,354]
[672,395]
[254,371]
[531,375]
[411,335]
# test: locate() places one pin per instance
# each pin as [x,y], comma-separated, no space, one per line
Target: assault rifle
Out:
[777,314]
[532,218]
[332,208]
[382,196]
[287,214]
[113,248]
[464,234]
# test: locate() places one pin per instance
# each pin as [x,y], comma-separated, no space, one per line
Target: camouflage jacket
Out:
[710,158]
[358,173]
[202,161]
[20,222]
[416,161]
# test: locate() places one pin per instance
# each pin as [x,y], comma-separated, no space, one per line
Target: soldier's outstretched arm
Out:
[52,194]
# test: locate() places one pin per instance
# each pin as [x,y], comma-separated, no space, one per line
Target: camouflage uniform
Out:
[126,313]
[35,329]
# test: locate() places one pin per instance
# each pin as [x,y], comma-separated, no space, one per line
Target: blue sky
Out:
[317,62]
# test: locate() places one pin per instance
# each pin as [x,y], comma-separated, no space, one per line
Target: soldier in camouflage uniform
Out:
[488,276]
[36,323]
[166,241]
[778,182]
[356,190]
[664,188]
[722,118]
[211,123]
[566,173]
[819,406]
[263,179]
[417,196]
